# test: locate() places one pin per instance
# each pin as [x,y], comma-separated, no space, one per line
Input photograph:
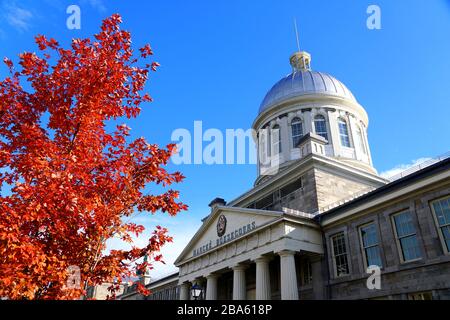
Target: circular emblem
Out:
[221,225]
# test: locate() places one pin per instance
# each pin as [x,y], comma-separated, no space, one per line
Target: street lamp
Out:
[196,291]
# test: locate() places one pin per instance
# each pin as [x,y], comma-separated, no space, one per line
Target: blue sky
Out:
[219,58]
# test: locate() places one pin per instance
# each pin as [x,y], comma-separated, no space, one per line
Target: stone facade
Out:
[254,266]
[399,280]
[332,188]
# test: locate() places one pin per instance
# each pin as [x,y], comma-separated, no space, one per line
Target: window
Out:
[340,255]
[406,236]
[306,272]
[276,140]
[269,142]
[290,188]
[320,125]
[343,132]
[360,140]
[370,246]
[265,203]
[420,296]
[441,210]
[297,131]
[268,202]
[263,146]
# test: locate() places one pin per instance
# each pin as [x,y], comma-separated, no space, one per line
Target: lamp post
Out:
[196,291]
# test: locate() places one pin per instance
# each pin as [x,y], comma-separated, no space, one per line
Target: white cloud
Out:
[97,4]
[15,16]
[403,167]
[181,228]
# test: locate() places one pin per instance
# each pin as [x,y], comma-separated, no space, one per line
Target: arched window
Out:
[320,124]
[276,140]
[343,132]
[360,139]
[297,131]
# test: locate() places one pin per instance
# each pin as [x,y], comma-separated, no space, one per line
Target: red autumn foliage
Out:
[74,184]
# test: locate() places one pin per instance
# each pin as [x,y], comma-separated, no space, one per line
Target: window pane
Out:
[406,234]
[339,244]
[373,257]
[370,245]
[294,186]
[340,254]
[321,126]
[343,131]
[404,224]
[341,265]
[276,140]
[369,235]
[446,209]
[442,211]
[410,248]
[297,131]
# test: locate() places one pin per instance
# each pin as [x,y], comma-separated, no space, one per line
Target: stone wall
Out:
[398,279]
[305,199]
[320,189]
[332,188]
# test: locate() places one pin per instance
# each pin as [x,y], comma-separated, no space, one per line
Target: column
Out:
[333,135]
[285,139]
[317,278]
[239,284]
[263,290]
[185,291]
[307,121]
[289,289]
[211,287]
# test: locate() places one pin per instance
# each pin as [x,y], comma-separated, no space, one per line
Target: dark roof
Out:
[390,187]
[163,279]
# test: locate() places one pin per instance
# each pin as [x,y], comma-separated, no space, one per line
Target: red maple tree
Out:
[73,183]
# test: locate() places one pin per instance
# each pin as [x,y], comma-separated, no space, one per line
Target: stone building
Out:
[319,215]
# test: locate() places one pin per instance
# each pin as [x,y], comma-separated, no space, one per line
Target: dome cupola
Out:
[313,104]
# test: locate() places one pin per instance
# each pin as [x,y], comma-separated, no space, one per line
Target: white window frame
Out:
[295,121]
[326,126]
[276,145]
[439,227]
[360,137]
[363,249]
[346,135]
[397,239]
[333,254]
[263,146]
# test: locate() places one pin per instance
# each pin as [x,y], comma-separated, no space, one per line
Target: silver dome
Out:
[304,82]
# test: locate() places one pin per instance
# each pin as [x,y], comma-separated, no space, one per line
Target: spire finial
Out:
[300,60]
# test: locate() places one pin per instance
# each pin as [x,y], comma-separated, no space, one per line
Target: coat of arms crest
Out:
[221,225]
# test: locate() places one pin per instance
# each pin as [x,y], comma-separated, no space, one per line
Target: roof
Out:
[304,82]
[164,279]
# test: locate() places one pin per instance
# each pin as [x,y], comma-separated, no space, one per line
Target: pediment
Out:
[225,225]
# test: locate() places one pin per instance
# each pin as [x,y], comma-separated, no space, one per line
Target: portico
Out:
[270,259]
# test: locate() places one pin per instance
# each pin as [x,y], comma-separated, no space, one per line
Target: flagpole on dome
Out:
[300,60]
